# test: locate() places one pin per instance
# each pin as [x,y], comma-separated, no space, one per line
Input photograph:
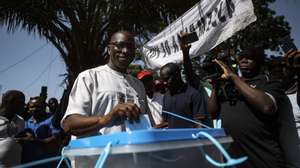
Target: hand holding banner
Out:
[214,22]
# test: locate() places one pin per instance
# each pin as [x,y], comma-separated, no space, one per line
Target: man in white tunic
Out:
[102,97]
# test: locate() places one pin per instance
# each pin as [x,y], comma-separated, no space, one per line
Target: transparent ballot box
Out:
[174,148]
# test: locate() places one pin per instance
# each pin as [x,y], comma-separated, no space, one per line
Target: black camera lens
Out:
[297,60]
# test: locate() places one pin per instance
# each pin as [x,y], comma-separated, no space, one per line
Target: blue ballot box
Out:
[174,148]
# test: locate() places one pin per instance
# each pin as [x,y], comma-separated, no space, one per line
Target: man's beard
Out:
[247,73]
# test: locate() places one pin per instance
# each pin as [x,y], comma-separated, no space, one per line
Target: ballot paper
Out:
[142,125]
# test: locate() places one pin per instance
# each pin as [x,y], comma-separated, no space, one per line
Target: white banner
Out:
[214,22]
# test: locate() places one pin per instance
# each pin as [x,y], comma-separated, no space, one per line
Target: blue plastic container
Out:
[174,148]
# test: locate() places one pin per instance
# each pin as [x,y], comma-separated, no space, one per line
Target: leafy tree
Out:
[80,29]
[266,32]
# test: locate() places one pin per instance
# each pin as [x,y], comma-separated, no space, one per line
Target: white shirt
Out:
[11,128]
[296,110]
[155,106]
[97,91]
[10,151]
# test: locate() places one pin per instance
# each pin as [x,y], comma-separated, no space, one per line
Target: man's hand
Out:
[164,124]
[227,73]
[28,138]
[127,110]
[293,60]
[183,46]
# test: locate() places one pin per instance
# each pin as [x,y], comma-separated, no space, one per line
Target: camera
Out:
[225,88]
[213,69]
[189,38]
[294,61]
[287,44]
[297,61]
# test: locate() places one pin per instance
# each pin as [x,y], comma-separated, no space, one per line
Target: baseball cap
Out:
[143,73]
[253,53]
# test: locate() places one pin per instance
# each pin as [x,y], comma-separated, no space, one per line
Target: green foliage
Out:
[80,29]
[133,69]
[265,32]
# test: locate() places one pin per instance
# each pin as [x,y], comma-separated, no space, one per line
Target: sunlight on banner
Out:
[213,21]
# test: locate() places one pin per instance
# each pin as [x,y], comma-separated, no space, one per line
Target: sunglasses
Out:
[121,45]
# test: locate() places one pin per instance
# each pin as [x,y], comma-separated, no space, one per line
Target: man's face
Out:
[159,86]
[170,78]
[35,107]
[121,50]
[247,65]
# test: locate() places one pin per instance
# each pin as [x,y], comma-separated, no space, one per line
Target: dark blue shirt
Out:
[187,102]
[42,129]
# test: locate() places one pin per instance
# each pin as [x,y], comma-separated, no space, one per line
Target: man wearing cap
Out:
[252,117]
[155,99]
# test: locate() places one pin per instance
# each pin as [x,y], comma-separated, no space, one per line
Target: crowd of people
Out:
[258,109]
[29,132]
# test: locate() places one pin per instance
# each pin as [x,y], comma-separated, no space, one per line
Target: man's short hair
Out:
[171,67]
[11,95]
[130,34]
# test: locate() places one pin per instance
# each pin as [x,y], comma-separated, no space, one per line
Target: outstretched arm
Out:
[187,64]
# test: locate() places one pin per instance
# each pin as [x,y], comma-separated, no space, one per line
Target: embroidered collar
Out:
[119,74]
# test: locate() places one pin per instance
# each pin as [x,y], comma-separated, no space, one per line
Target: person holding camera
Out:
[285,70]
[293,67]
[253,119]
